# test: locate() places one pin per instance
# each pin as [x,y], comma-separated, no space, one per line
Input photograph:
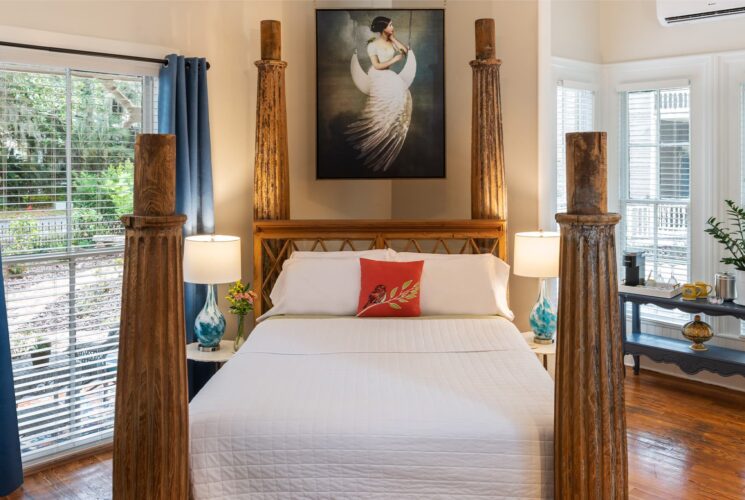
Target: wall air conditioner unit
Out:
[670,12]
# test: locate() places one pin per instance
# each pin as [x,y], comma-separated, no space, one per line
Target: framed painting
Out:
[380,93]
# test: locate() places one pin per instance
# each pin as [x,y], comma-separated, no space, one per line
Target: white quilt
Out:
[327,408]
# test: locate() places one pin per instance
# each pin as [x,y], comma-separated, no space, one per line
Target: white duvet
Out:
[323,408]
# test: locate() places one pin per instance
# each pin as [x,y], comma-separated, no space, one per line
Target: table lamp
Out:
[210,260]
[537,256]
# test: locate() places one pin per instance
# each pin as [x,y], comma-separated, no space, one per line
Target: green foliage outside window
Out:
[36,136]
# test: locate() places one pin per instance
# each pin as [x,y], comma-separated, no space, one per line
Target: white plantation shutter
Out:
[655,179]
[742,166]
[575,111]
[66,177]
[742,147]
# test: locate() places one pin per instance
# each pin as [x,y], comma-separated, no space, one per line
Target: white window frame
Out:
[569,85]
[575,74]
[624,196]
[705,171]
[731,76]
[60,61]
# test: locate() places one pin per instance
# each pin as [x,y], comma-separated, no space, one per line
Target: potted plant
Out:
[241,299]
[732,236]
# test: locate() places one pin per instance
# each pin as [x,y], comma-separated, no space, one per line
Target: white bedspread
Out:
[376,408]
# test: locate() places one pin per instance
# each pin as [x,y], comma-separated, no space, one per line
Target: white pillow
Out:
[317,286]
[376,254]
[462,284]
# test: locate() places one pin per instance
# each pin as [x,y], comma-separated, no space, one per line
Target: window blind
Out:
[575,110]
[655,171]
[66,178]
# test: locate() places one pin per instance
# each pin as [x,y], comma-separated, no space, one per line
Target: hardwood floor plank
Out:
[686,440]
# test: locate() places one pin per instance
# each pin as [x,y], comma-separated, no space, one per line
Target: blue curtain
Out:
[183,110]
[11,468]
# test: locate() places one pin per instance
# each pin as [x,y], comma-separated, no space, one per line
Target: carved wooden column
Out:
[151,452]
[488,196]
[590,459]
[271,168]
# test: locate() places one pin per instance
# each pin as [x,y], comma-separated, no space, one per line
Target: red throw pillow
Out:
[389,288]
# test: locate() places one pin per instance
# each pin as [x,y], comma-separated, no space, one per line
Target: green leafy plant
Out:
[24,232]
[731,234]
[16,270]
[109,191]
[86,224]
[117,182]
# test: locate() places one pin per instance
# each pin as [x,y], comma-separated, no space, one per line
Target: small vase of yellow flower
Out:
[241,299]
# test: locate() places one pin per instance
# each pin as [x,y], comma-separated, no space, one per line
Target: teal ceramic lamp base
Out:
[209,327]
[543,318]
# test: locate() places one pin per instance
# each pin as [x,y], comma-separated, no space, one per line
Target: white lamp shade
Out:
[212,259]
[537,254]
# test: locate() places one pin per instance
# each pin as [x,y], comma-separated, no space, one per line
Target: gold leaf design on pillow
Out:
[393,302]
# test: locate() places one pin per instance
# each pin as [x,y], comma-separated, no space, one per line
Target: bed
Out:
[463,411]
[344,407]
[320,407]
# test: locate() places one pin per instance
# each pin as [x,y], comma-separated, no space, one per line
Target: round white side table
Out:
[544,350]
[220,357]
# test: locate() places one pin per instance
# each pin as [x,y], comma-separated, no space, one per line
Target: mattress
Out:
[376,408]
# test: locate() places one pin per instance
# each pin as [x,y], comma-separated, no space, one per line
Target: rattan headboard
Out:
[275,240]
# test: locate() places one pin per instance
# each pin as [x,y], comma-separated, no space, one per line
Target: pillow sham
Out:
[316,286]
[375,254]
[462,284]
[389,289]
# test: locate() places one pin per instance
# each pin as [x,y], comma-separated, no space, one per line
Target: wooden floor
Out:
[686,441]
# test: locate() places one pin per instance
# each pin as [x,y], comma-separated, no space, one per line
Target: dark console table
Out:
[668,350]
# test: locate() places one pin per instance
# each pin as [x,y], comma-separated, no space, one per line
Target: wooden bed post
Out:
[271,167]
[151,451]
[590,419]
[488,196]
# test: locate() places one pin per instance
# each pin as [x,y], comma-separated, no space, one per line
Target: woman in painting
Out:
[379,133]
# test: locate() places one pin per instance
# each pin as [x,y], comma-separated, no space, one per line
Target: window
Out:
[742,148]
[655,183]
[65,178]
[574,113]
[742,166]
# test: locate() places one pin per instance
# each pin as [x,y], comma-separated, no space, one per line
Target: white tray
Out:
[665,293]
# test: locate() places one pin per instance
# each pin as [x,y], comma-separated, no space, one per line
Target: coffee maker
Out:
[633,262]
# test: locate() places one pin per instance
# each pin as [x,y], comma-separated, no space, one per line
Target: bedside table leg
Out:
[545,361]
[637,362]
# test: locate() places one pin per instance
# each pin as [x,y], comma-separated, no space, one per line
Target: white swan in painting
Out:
[379,133]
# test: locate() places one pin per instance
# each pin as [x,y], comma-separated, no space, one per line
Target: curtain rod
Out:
[87,53]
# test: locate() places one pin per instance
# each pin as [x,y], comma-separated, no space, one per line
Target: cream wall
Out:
[575,30]
[630,31]
[227,33]
[610,31]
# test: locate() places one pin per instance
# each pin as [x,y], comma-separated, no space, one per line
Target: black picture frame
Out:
[340,103]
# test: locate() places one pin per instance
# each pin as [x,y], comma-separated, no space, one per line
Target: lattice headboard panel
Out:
[274,241]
